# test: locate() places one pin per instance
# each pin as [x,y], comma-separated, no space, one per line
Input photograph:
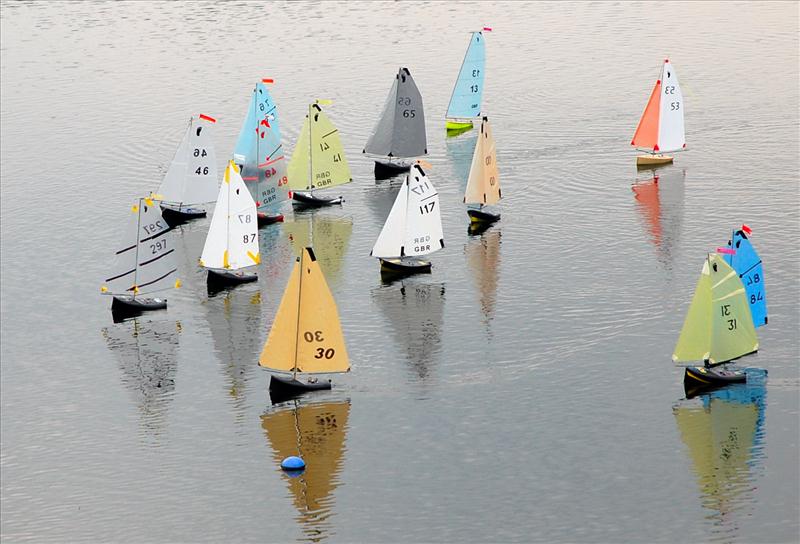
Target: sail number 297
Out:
[321,353]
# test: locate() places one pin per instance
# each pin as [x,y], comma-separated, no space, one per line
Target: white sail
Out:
[423,218]
[414,224]
[671,136]
[391,239]
[192,175]
[145,262]
[232,240]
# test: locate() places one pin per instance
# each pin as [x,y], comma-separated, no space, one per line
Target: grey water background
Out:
[523,391]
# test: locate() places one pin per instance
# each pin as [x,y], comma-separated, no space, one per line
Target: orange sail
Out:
[646,134]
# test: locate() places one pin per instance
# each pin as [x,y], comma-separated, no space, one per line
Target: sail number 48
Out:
[316,336]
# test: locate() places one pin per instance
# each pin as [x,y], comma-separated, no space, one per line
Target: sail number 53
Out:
[316,336]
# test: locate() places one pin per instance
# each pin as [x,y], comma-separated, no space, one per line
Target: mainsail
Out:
[661,125]
[483,185]
[748,265]
[718,326]
[465,102]
[259,151]
[192,175]
[400,132]
[318,159]
[306,335]
[145,262]
[414,224]
[232,240]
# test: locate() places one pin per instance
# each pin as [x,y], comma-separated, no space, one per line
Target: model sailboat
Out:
[744,259]
[718,327]
[465,102]
[413,227]
[191,178]
[232,240]
[259,155]
[483,185]
[400,132]
[660,129]
[318,160]
[144,264]
[306,336]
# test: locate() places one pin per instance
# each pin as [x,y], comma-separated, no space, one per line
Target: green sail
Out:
[298,171]
[318,159]
[718,326]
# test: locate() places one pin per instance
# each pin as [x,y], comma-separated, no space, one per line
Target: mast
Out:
[310,154]
[299,298]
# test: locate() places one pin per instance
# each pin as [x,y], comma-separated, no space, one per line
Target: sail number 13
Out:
[316,336]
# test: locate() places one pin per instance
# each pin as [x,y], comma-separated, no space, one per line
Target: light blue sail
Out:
[259,152]
[465,102]
[747,264]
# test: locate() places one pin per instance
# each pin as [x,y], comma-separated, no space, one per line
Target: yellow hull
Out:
[652,159]
[456,125]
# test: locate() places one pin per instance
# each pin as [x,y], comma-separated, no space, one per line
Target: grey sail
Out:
[400,132]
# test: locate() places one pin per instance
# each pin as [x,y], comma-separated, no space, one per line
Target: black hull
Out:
[222,278]
[268,218]
[703,377]
[392,268]
[480,216]
[300,198]
[178,216]
[386,170]
[285,388]
[124,307]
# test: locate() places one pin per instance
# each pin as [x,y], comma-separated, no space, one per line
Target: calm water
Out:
[521,392]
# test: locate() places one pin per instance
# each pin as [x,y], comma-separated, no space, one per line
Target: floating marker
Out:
[292,463]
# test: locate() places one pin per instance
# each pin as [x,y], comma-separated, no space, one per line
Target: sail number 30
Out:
[316,336]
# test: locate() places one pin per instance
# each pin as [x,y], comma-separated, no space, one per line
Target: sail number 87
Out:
[316,336]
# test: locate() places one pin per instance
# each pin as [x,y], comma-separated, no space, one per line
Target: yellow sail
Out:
[694,343]
[483,185]
[718,326]
[315,432]
[298,170]
[306,335]
[328,164]
[733,332]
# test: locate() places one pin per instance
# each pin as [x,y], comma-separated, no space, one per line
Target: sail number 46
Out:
[316,336]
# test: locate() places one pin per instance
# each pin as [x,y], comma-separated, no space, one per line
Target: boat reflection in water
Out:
[416,314]
[234,318]
[329,235]
[659,199]
[724,432]
[147,356]
[316,432]
[459,151]
[483,260]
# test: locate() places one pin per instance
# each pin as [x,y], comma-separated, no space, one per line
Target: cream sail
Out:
[306,336]
[483,185]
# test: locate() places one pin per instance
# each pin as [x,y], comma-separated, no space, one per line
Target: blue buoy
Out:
[293,463]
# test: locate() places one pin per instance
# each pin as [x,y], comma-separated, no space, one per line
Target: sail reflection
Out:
[460,150]
[724,431]
[146,352]
[483,259]
[316,432]
[234,318]
[659,199]
[328,235]
[416,312]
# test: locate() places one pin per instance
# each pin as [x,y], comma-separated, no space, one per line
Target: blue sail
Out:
[465,103]
[747,264]
[259,152]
